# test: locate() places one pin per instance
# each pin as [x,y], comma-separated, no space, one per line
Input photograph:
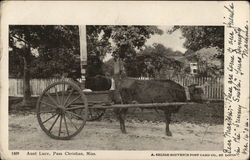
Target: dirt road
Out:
[191,131]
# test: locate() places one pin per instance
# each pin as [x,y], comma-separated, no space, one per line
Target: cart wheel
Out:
[95,114]
[57,110]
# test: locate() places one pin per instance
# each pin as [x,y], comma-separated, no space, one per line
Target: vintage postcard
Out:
[124,80]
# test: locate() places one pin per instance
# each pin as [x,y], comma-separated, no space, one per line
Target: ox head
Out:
[196,92]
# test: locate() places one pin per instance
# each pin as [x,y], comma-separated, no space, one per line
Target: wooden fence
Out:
[213,87]
[36,86]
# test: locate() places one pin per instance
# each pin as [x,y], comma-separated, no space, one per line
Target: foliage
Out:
[42,51]
[152,60]
[129,38]
[56,62]
[97,46]
[49,36]
[16,62]
[121,41]
[58,48]
[55,48]
[198,37]
[108,67]
[209,64]
[201,38]
[34,51]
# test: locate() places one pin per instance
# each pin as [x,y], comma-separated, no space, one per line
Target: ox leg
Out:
[121,114]
[167,121]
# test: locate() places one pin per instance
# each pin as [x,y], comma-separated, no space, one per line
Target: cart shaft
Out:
[144,105]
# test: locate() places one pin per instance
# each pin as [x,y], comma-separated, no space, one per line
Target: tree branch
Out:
[20,39]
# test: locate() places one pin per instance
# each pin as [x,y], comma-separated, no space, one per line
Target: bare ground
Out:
[196,127]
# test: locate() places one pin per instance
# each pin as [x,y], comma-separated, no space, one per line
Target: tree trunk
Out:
[26,77]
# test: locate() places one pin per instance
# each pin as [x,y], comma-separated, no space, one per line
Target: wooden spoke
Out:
[57,97]
[54,123]
[76,115]
[60,126]
[51,98]
[49,118]
[73,101]
[72,123]
[74,108]
[66,124]
[65,102]
[63,91]
[50,108]
[48,104]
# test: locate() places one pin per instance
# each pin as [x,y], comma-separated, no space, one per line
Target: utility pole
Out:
[83,52]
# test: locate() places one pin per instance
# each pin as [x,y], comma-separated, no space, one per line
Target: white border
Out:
[115,13]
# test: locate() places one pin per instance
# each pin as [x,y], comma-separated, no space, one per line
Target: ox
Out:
[153,91]
[130,91]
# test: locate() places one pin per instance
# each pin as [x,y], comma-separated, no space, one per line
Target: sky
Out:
[174,40]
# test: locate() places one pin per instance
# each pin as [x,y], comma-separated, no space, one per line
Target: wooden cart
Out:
[63,108]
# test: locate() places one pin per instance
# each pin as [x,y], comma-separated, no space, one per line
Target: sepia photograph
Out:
[116,87]
[124,80]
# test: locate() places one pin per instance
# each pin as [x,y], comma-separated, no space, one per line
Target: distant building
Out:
[194,68]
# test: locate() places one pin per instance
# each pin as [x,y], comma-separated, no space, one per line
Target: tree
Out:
[43,51]
[198,37]
[152,61]
[121,41]
[108,67]
[24,37]
[202,37]
[209,64]
[48,40]
[129,38]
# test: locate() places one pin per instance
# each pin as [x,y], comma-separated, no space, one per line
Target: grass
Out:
[212,113]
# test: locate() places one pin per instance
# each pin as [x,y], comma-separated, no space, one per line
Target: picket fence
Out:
[36,86]
[213,87]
